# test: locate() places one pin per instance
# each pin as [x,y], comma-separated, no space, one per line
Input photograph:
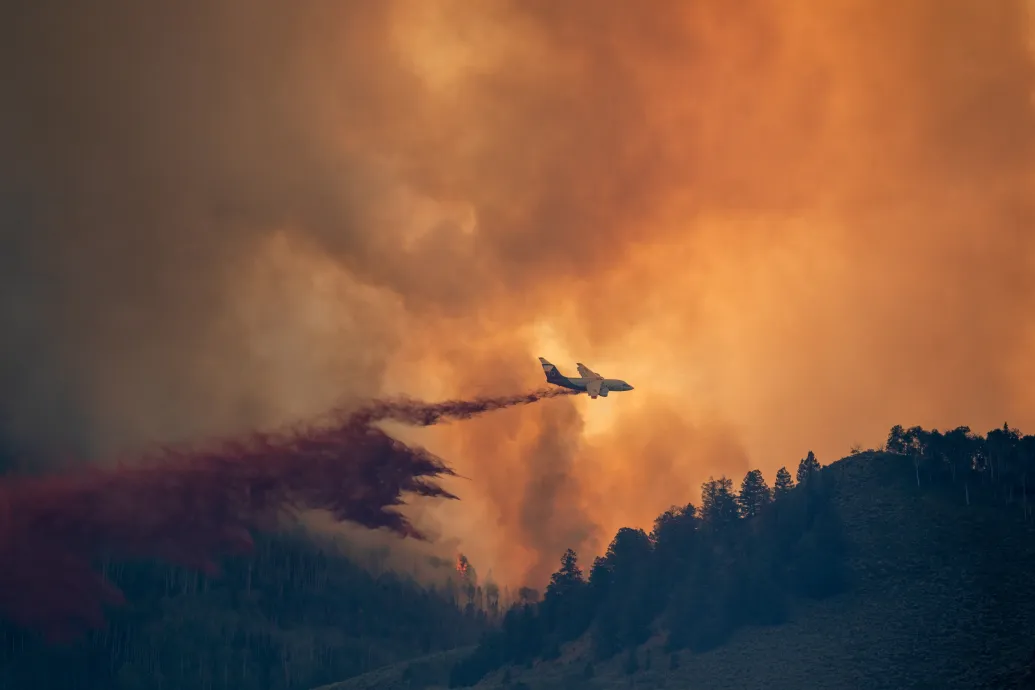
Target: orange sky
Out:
[790,225]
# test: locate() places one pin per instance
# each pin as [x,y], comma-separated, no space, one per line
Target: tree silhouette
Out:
[674,541]
[960,446]
[915,444]
[567,578]
[675,526]
[1001,445]
[784,484]
[936,454]
[896,442]
[628,550]
[625,615]
[719,502]
[565,607]
[807,468]
[754,494]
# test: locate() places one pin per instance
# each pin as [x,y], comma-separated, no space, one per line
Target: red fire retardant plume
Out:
[191,506]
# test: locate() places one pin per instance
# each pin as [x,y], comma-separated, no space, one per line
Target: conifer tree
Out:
[807,468]
[784,483]
[754,494]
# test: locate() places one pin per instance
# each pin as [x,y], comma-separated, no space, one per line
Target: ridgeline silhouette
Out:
[189,506]
[754,557]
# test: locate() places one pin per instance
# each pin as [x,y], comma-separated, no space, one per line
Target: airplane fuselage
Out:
[594,385]
[581,384]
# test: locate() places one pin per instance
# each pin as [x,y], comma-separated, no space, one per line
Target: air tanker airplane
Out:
[589,381]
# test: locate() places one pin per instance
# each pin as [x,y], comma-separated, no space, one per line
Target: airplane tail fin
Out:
[552,374]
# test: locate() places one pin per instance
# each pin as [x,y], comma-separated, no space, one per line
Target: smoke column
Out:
[190,506]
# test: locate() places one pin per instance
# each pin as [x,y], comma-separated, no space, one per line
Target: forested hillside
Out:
[923,550]
[293,615]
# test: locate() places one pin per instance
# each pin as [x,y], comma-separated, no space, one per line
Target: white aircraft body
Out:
[588,380]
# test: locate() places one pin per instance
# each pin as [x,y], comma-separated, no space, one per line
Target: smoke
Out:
[552,518]
[191,506]
[423,414]
[788,224]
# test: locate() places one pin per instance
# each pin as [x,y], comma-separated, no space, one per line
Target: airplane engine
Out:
[603,391]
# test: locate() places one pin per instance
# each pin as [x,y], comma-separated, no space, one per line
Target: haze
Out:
[790,225]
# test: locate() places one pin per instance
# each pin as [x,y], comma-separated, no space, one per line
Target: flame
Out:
[462,564]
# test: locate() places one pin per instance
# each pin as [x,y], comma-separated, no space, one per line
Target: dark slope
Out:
[429,671]
[292,615]
[941,595]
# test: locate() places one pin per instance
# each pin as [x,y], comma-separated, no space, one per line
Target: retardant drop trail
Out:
[191,506]
[426,414]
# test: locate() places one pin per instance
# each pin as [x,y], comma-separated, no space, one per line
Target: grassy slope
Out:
[942,597]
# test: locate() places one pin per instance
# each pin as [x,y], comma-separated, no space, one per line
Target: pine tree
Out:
[784,483]
[807,468]
[568,577]
[754,494]
[565,607]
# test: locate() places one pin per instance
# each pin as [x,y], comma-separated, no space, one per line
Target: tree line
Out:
[1003,460]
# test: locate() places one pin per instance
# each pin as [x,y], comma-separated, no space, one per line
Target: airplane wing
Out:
[587,373]
[594,388]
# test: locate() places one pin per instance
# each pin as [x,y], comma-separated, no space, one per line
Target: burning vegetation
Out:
[462,565]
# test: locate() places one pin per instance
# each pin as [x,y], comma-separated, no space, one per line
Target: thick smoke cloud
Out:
[788,224]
